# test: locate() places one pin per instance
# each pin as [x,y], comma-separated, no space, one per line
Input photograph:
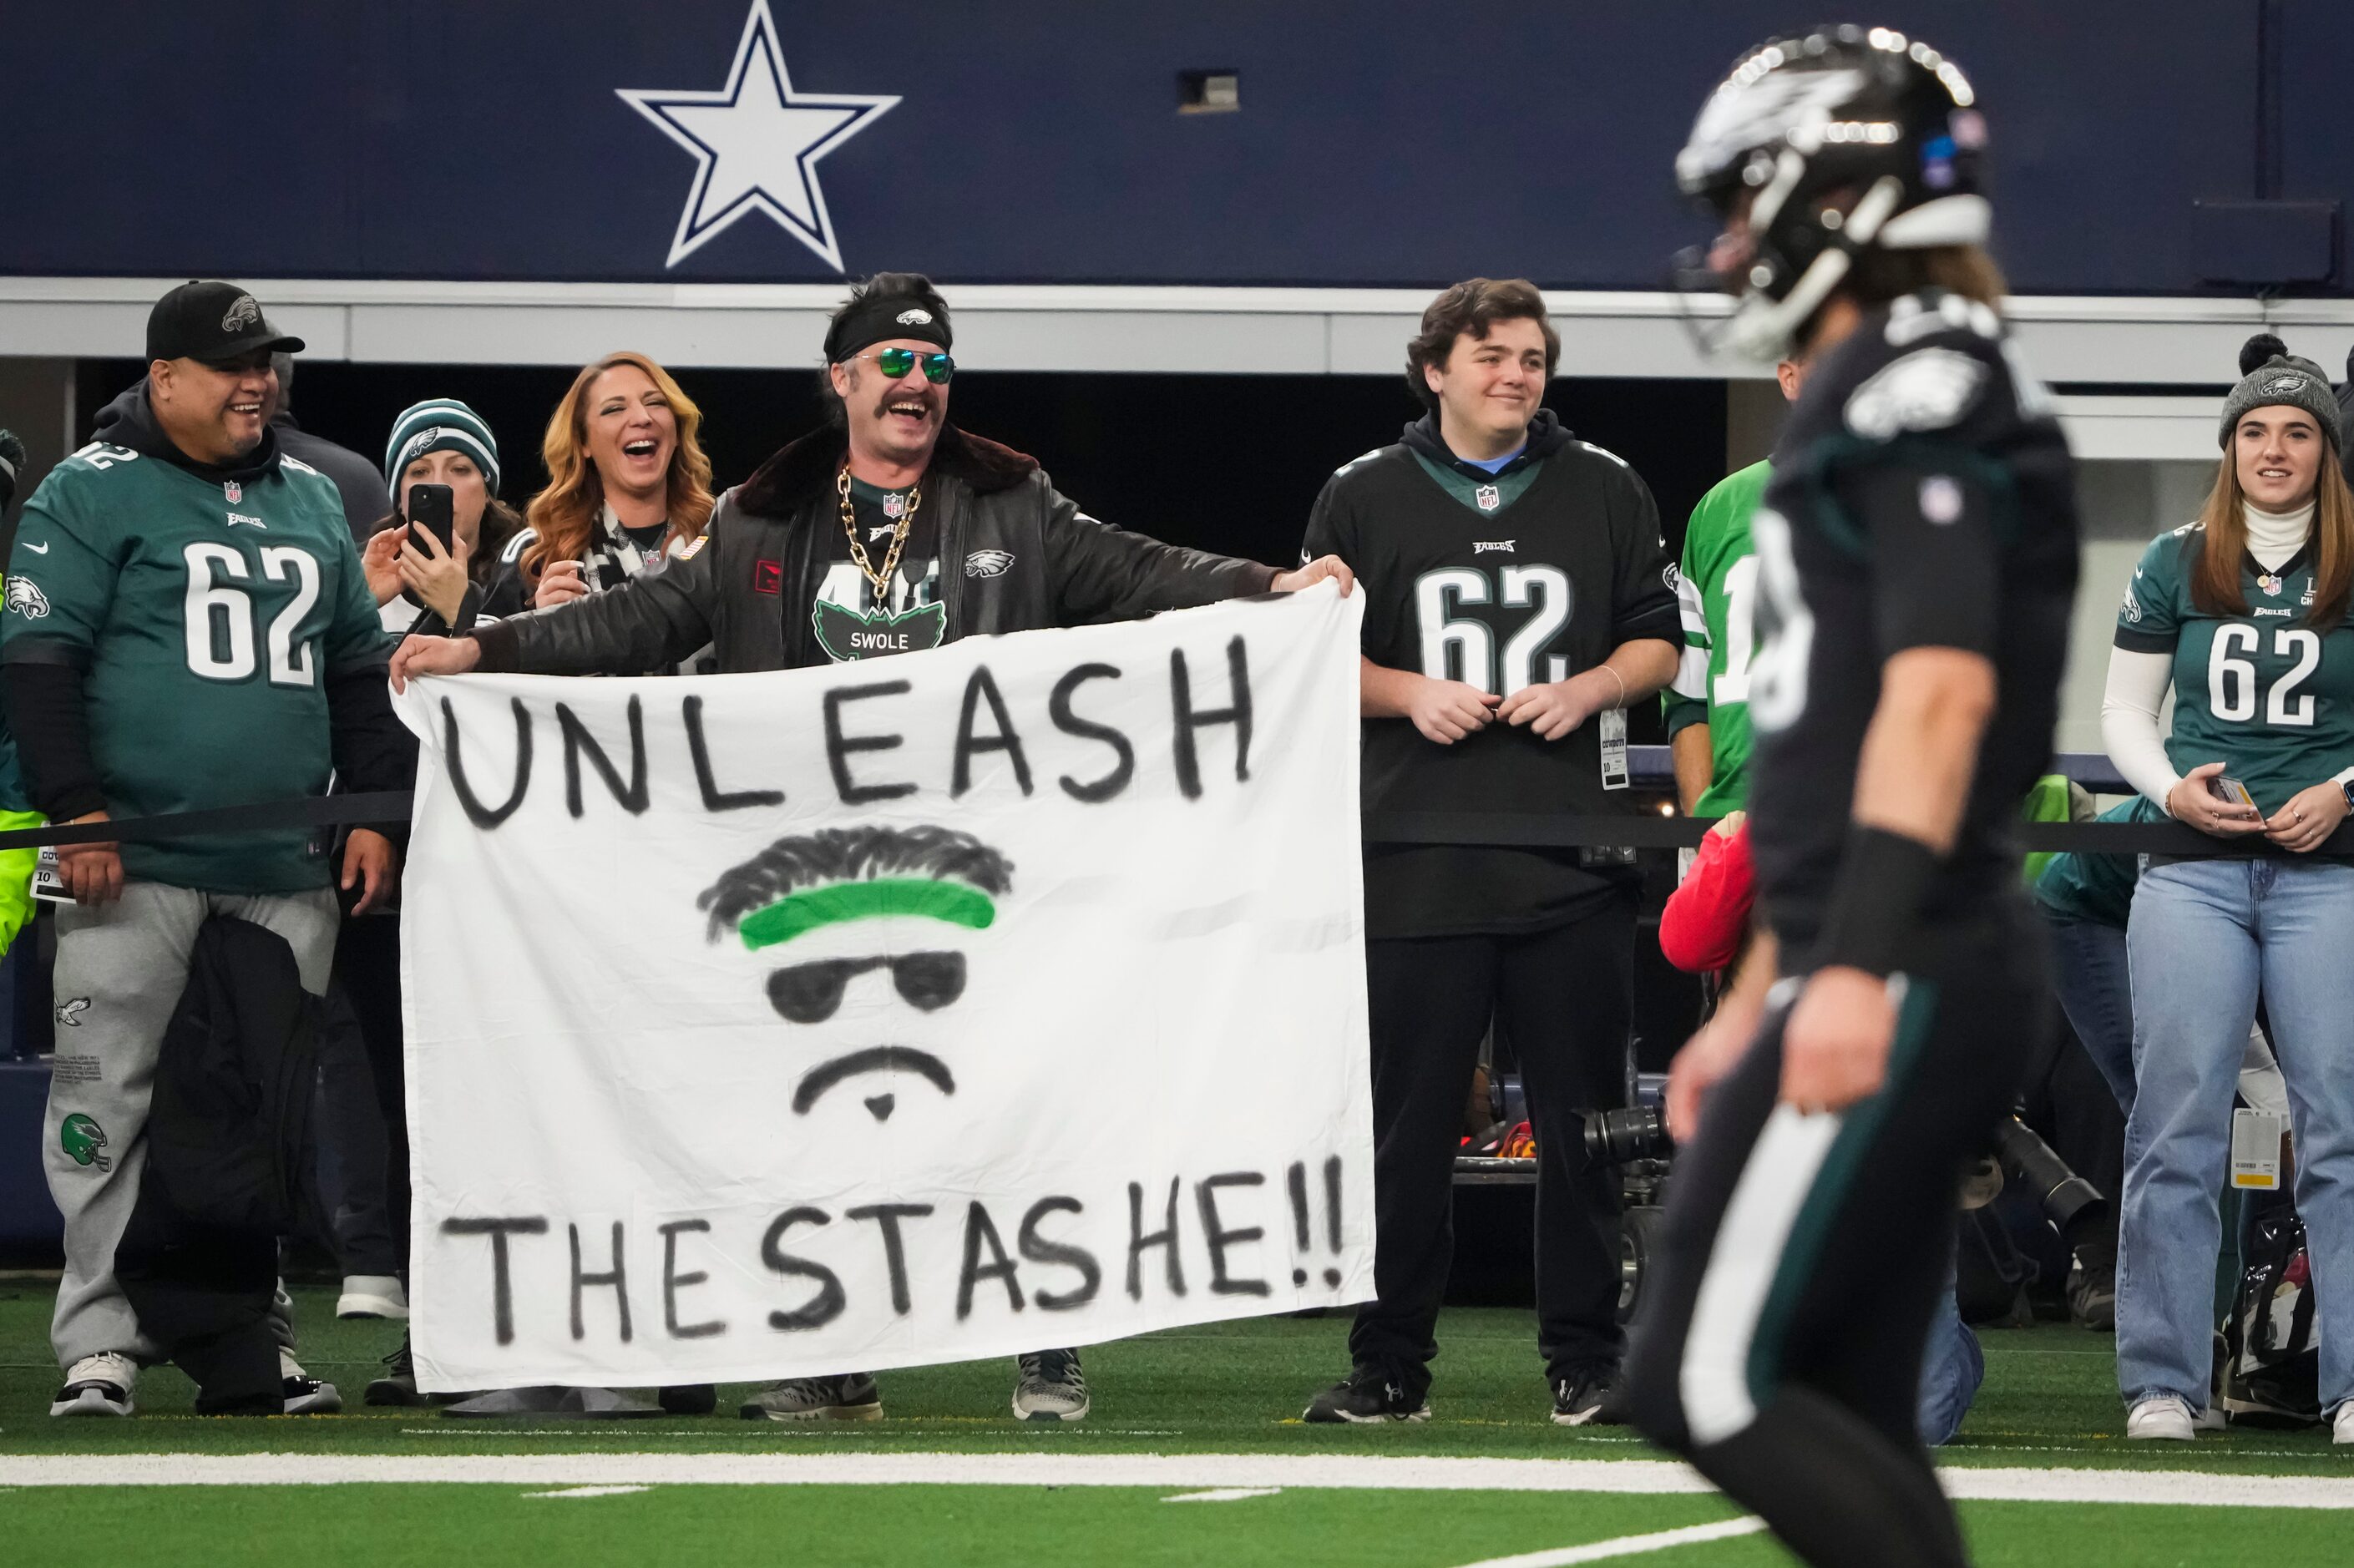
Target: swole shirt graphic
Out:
[851,621]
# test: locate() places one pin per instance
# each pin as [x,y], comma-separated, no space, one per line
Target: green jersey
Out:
[2263,693]
[205,618]
[1717,596]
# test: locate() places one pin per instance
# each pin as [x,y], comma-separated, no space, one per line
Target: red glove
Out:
[1707,918]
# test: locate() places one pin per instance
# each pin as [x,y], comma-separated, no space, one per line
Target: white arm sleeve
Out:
[2130,706]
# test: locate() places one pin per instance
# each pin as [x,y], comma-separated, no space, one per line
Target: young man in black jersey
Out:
[1517,600]
[1917,554]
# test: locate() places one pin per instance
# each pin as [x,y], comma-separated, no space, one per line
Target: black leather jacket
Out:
[1015,556]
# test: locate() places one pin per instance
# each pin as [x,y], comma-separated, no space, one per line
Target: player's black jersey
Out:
[1923,497]
[1531,574]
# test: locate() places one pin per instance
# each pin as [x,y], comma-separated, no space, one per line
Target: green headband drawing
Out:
[805,883]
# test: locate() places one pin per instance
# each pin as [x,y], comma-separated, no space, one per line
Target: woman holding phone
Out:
[2245,614]
[628,483]
[436,551]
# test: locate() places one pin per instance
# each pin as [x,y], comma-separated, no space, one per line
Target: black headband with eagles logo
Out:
[875,319]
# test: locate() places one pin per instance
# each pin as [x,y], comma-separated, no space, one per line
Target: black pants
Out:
[1803,1254]
[368,971]
[353,1155]
[1564,999]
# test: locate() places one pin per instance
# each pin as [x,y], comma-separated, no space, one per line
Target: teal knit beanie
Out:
[439,425]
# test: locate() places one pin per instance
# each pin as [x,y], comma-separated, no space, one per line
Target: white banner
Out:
[957,1004]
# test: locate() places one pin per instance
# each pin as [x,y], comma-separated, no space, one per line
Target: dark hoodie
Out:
[1547,435]
[48,714]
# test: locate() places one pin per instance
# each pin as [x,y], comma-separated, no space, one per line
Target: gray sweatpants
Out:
[121,969]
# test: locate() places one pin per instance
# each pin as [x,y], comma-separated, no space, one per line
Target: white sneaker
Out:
[372,1296]
[2162,1416]
[98,1385]
[2342,1429]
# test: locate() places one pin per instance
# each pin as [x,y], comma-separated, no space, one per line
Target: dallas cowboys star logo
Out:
[756,143]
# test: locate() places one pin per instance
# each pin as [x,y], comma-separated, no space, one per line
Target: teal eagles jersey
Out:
[2263,692]
[205,618]
[1717,595]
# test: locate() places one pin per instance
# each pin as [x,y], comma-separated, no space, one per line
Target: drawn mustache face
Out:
[812,992]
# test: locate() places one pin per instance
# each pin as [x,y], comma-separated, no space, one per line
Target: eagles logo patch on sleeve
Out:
[988,563]
[1928,389]
[26,599]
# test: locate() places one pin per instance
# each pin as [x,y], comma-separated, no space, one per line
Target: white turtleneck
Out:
[2274,536]
[2138,681]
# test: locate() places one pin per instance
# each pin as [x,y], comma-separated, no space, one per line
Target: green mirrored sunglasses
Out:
[896,362]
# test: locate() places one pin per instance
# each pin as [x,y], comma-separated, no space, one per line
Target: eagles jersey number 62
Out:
[205,618]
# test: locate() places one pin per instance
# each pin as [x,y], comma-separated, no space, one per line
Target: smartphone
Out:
[2225,788]
[432,509]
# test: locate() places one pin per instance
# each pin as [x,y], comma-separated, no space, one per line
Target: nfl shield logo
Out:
[894,505]
[2270,584]
[1488,497]
[233,490]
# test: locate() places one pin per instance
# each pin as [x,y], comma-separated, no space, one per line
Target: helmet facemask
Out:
[1827,146]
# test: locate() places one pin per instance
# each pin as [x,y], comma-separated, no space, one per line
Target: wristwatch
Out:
[2346,788]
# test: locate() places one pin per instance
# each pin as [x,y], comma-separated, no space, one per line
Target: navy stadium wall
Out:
[1400,142]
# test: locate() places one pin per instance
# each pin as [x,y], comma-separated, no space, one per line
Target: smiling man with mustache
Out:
[889,530]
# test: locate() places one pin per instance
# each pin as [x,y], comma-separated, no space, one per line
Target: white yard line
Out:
[1224,1494]
[1164,1472]
[1626,1546]
[590,1492]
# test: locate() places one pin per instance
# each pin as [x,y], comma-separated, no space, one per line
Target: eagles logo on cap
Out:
[2286,384]
[917,317]
[243,314]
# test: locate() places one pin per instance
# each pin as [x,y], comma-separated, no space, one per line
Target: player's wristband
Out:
[1882,877]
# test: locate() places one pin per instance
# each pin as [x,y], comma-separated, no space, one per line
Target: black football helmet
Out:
[1844,139]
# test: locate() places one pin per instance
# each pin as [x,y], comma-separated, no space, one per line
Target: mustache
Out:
[826,1076]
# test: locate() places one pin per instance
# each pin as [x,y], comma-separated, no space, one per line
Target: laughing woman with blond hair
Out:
[628,483]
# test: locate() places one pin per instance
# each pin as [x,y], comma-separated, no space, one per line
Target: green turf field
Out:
[949,1478]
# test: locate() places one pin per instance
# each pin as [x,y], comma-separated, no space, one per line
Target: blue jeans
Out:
[2090,972]
[1952,1368]
[2206,937]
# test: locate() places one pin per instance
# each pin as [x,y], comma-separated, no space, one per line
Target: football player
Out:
[1917,553]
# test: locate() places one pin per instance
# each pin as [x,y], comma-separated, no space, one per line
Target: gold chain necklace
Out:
[881,580]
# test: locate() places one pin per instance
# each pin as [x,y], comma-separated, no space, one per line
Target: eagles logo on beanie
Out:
[2269,374]
[439,425]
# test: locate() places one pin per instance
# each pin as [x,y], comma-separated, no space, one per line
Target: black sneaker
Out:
[1364,1397]
[1585,1399]
[1049,1386]
[397,1386]
[307,1395]
[2093,1296]
[852,1396]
